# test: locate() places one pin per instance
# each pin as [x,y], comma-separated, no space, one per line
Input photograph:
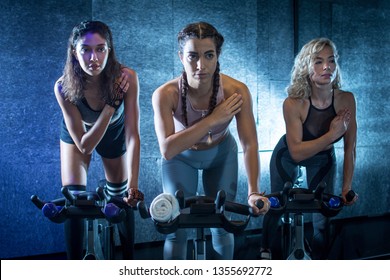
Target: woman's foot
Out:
[265,254]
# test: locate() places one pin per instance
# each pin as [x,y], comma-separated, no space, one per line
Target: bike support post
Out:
[299,252]
[200,245]
[286,235]
[108,240]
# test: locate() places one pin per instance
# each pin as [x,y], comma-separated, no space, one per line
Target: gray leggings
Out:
[220,172]
[321,167]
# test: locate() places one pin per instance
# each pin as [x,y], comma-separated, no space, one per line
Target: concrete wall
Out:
[262,38]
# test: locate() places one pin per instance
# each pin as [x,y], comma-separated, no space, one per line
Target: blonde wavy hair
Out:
[300,84]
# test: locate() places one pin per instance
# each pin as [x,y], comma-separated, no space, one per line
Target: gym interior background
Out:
[261,40]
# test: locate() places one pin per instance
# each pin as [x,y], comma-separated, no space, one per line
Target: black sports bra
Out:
[89,116]
[318,121]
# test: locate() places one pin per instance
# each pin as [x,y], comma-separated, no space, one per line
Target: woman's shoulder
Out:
[343,98]
[295,101]
[342,94]
[58,90]
[59,81]
[232,85]
[131,73]
[169,87]
[226,79]
[297,105]
[58,86]
[168,90]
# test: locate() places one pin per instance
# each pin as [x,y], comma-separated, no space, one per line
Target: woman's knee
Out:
[115,169]
[116,189]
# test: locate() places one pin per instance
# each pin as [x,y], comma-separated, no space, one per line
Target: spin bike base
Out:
[298,202]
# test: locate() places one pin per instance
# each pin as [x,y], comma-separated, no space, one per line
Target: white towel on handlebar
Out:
[164,208]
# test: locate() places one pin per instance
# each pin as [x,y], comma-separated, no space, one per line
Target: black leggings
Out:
[320,167]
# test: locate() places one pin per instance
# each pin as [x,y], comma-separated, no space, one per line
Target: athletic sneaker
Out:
[265,254]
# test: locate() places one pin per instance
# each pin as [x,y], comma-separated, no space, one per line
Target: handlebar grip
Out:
[286,189]
[68,195]
[101,193]
[179,194]
[287,186]
[143,210]
[350,196]
[238,208]
[37,201]
[220,199]
[259,204]
[319,190]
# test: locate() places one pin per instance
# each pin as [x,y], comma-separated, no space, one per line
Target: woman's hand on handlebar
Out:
[134,195]
[347,198]
[253,202]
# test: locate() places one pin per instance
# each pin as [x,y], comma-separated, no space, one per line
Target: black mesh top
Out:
[318,121]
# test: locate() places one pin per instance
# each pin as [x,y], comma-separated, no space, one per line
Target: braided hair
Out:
[199,30]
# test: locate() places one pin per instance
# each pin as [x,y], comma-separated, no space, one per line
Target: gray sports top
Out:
[90,116]
[195,115]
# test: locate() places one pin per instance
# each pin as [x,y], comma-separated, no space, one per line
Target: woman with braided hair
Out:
[192,114]
[99,101]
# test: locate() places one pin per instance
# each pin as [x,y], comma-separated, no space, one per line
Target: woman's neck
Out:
[321,96]
[200,91]
[92,88]
[200,97]
[93,79]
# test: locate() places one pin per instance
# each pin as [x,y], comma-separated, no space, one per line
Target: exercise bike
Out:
[100,211]
[298,201]
[202,212]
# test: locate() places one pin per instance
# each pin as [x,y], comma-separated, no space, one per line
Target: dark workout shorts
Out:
[113,143]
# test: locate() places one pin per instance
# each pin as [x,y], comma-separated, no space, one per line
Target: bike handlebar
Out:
[202,212]
[293,200]
[83,205]
[259,204]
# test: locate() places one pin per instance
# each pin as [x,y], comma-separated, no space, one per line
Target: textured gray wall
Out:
[259,51]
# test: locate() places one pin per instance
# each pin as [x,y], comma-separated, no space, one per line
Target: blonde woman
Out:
[317,114]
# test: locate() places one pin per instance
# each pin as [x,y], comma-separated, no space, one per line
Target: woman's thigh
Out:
[178,175]
[282,167]
[74,165]
[321,168]
[222,177]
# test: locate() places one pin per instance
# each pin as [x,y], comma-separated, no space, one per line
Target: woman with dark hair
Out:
[192,117]
[99,101]
[317,114]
